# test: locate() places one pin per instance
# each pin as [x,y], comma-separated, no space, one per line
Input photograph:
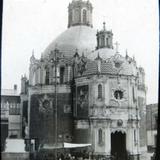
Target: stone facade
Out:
[97,98]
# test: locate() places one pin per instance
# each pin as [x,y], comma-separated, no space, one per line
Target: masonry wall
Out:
[42,121]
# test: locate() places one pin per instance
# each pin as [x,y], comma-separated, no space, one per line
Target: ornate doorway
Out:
[118,146]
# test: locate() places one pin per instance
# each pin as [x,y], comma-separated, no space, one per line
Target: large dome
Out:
[82,38]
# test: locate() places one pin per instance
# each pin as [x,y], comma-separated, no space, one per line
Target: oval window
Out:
[118,94]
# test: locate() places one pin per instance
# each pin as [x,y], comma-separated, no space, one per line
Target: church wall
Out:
[103,147]
[42,117]
[38,74]
[132,140]
[120,110]
[118,84]
[82,136]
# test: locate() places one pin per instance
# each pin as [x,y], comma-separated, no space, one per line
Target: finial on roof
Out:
[83,55]
[133,57]
[32,52]
[126,53]
[76,53]
[104,25]
[56,46]
[32,58]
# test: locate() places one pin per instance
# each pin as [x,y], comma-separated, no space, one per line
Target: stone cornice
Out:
[44,89]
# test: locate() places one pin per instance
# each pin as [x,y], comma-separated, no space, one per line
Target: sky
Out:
[32,24]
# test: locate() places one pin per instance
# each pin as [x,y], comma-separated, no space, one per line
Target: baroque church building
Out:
[83,91]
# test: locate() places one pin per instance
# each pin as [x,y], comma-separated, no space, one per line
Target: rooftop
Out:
[9,92]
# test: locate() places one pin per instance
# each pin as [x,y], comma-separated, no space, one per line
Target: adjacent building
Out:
[10,115]
[152,122]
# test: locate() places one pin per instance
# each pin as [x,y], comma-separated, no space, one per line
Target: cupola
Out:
[80,13]
[104,38]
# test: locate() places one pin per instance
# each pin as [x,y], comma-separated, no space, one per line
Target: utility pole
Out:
[55,116]
[56,127]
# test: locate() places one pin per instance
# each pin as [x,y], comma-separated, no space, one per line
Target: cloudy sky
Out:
[33,24]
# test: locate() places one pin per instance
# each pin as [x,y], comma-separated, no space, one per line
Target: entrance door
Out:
[118,146]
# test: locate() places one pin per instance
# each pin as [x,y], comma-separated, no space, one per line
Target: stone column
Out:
[69,73]
[106,93]
[129,140]
[108,141]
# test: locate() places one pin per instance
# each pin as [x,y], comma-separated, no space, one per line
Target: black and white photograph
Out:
[79,80]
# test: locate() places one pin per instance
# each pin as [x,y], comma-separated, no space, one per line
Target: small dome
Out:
[115,64]
[82,38]
[104,53]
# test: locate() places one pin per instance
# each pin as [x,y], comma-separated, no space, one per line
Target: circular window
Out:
[118,94]
[117,64]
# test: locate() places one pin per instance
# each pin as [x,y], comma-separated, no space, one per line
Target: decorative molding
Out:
[45,105]
[44,89]
[122,130]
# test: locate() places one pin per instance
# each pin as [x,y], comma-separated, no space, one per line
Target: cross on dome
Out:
[117,47]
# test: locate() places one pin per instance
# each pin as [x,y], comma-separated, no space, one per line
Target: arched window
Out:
[84,16]
[47,76]
[135,137]
[62,75]
[77,16]
[133,93]
[107,42]
[99,91]
[102,41]
[100,136]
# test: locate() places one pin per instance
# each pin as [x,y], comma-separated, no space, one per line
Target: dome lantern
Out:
[80,13]
[104,38]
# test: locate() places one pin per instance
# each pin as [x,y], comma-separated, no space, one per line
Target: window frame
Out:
[100,91]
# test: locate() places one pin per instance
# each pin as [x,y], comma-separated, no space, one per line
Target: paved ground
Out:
[146,156]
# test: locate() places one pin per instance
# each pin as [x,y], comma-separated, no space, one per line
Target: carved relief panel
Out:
[45,105]
[118,93]
[82,100]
